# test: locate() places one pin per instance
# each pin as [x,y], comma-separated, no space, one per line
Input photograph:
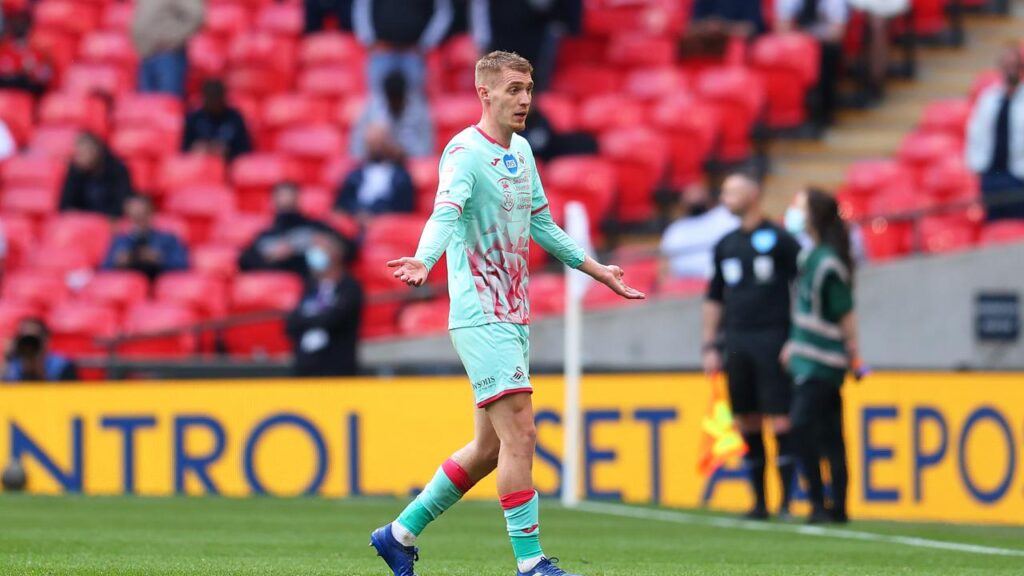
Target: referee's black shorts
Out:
[757,381]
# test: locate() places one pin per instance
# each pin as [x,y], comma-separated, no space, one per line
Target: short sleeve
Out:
[838,297]
[455,177]
[716,288]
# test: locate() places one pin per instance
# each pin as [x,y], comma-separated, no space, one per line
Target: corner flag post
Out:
[578,228]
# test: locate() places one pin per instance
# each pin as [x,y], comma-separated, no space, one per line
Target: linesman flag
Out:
[722,440]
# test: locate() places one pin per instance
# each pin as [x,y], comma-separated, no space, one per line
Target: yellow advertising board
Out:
[921,446]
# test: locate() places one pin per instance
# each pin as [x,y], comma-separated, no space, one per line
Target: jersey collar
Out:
[491,140]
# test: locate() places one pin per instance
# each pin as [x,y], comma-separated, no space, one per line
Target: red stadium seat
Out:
[255,81]
[547,295]
[944,234]
[281,18]
[929,17]
[33,171]
[692,129]
[216,260]
[656,82]
[75,265]
[75,327]
[157,317]
[207,56]
[254,175]
[586,179]
[458,58]
[78,111]
[188,169]
[580,49]
[59,47]
[162,112]
[115,289]
[283,111]
[311,146]
[98,78]
[117,16]
[83,232]
[640,158]
[36,289]
[919,150]
[584,80]
[238,230]
[425,180]
[950,180]
[335,170]
[633,50]
[428,317]
[608,18]
[946,117]
[789,64]
[870,177]
[347,112]
[203,294]
[200,205]
[16,113]
[380,320]
[316,201]
[150,143]
[29,201]
[683,287]
[400,232]
[264,51]
[113,48]
[1002,232]
[226,20]
[57,142]
[606,112]
[68,16]
[559,109]
[739,96]
[331,83]
[262,292]
[19,233]
[453,114]
[331,49]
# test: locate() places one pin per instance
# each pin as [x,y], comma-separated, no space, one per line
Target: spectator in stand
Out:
[320,13]
[398,33]
[96,181]
[283,246]
[406,114]
[381,184]
[8,147]
[530,28]
[22,67]
[688,244]
[878,12]
[143,248]
[714,23]
[826,21]
[29,360]
[160,29]
[995,140]
[324,328]
[216,128]
[547,143]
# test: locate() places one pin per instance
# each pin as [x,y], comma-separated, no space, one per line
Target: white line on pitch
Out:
[732,523]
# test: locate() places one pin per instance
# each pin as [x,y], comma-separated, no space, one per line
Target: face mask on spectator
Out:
[317,259]
[795,220]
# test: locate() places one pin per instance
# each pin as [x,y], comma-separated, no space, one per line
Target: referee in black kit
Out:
[746,324]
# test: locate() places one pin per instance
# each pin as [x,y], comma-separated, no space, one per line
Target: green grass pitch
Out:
[213,536]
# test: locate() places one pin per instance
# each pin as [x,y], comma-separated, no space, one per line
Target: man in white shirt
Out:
[688,243]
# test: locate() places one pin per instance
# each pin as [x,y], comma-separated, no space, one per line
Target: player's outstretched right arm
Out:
[433,242]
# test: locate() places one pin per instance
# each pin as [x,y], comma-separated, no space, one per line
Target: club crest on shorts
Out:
[518,376]
[511,164]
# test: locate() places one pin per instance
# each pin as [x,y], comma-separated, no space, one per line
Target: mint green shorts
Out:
[497,359]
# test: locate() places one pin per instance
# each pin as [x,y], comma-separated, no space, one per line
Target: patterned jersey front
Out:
[489,203]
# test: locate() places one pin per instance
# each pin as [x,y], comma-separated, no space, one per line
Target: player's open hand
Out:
[613,279]
[409,270]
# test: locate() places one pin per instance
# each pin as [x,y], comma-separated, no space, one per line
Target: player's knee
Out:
[524,438]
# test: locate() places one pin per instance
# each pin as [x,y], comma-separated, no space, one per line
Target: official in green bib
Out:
[822,347]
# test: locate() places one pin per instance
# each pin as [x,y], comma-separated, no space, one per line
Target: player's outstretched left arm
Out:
[610,276]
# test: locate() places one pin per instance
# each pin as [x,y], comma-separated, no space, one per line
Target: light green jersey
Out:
[489,203]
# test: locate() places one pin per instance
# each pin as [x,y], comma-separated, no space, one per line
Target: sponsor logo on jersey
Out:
[764,268]
[510,164]
[456,149]
[495,161]
[764,240]
[508,203]
[732,271]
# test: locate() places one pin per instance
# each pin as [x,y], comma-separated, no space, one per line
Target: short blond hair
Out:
[492,64]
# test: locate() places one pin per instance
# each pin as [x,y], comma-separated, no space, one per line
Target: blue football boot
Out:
[398,557]
[546,567]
